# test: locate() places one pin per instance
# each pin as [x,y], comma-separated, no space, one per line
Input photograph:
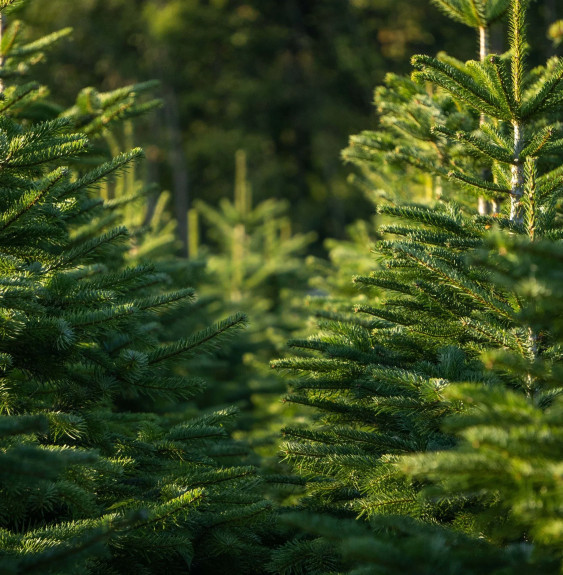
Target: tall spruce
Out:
[105,465]
[438,410]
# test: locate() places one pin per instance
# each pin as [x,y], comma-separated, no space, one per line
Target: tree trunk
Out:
[180,191]
[517,181]
[1,55]
[485,206]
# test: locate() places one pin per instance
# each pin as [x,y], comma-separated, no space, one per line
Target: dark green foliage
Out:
[105,466]
[424,429]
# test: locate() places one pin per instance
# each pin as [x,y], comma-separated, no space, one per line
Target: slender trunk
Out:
[518,42]
[243,195]
[1,54]
[484,206]
[517,181]
[495,40]
[238,254]
[193,233]
[179,169]
[483,43]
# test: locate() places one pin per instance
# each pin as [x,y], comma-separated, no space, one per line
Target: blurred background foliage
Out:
[285,81]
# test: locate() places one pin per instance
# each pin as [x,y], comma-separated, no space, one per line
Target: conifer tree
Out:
[87,484]
[253,263]
[411,110]
[438,409]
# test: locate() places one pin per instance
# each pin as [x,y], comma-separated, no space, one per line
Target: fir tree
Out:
[89,485]
[410,112]
[438,410]
[253,264]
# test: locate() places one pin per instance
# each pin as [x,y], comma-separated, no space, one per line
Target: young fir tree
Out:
[86,484]
[407,151]
[253,264]
[439,410]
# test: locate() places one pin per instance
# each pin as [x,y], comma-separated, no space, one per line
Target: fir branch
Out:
[454,278]
[107,99]
[347,410]
[22,424]
[86,248]
[479,183]
[541,94]
[19,94]
[452,222]
[95,317]
[455,10]
[27,203]
[240,516]
[478,143]
[518,47]
[385,281]
[504,82]
[40,44]
[7,3]
[99,173]
[188,500]
[172,388]
[431,237]
[459,83]
[219,476]
[538,142]
[203,339]
[314,364]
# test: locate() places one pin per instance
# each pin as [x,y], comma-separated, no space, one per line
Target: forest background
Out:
[287,82]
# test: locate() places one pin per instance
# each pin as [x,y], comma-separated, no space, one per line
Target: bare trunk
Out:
[179,170]
[193,233]
[485,206]
[483,43]
[243,192]
[517,181]
[238,254]
[1,55]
